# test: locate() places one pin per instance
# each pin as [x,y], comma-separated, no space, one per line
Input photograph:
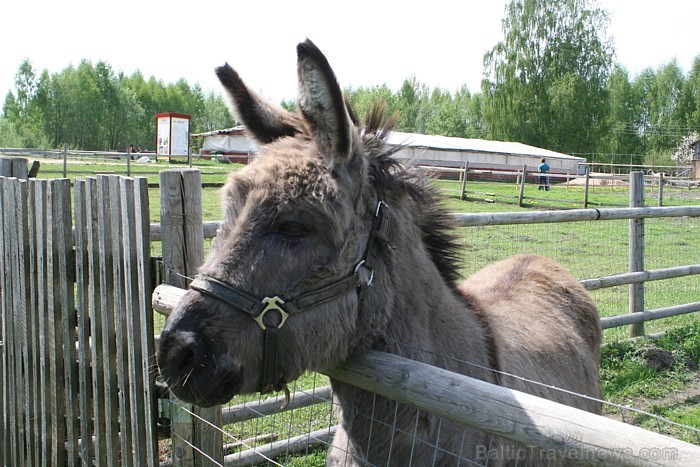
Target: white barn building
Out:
[232,144]
[481,154]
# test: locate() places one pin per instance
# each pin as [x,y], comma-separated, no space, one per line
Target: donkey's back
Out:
[544,326]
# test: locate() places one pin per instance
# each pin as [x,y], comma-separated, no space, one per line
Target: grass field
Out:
[587,249]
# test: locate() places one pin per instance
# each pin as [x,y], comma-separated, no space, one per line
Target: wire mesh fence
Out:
[302,436]
[587,249]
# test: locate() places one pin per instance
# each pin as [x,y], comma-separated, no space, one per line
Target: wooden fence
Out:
[77,326]
[363,370]
[523,177]
[77,364]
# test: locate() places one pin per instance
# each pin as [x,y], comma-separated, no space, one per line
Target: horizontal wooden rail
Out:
[536,217]
[573,215]
[648,315]
[515,415]
[251,410]
[301,443]
[640,276]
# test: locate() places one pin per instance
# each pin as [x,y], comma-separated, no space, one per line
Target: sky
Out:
[368,43]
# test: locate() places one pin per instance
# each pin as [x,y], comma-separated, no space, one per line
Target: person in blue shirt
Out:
[543,169]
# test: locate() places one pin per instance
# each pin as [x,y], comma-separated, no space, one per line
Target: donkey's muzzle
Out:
[191,370]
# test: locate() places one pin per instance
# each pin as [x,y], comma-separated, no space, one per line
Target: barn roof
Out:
[450,143]
[226,131]
[444,143]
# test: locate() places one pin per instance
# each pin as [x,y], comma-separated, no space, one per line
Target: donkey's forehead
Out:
[291,174]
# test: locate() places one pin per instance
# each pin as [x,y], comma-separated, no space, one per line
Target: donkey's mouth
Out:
[206,390]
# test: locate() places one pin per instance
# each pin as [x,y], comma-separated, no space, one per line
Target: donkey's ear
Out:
[265,121]
[322,104]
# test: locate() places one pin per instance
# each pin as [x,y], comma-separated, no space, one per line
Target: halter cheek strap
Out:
[286,307]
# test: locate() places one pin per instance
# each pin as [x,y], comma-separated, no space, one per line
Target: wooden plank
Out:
[522,185]
[207,437]
[210,228]
[19,322]
[183,253]
[145,314]
[83,323]
[165,297]
[19,168]
[109,343]
[37,389]
[9,341]
[23,315]
[192,221]
[270,406]
[57,397]
[636,251]
[585,189]
[4,345]
[42,258]
[94,302]
[531,420]
[463,182]
[640,276]
[66,285]
[172,230]
[573,215]
[648,315]
[297,444]
[5,167]
[134,374]
[124,397]
[187,254]
[172,227]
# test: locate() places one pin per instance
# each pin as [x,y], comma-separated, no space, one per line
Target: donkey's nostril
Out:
[183,358]
[178,352]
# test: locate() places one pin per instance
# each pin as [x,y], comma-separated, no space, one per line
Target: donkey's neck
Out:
[415,313]
[428,322]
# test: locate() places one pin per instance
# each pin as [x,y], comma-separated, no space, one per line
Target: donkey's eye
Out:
[291,230]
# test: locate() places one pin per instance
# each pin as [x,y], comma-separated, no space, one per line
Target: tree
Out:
[545,83]
[666,125]
[690,97]
[621,134]
[25,88]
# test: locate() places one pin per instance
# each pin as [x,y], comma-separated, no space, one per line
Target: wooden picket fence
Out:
[77,326]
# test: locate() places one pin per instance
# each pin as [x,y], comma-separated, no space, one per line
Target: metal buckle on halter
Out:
[361,264]
[273,303]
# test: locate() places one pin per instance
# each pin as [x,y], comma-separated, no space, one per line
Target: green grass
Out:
[629,377]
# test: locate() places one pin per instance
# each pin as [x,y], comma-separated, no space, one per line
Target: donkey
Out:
[329,247]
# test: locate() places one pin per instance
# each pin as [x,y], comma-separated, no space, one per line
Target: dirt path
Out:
[690,395]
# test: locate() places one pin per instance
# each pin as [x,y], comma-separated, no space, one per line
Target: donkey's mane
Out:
[392,176]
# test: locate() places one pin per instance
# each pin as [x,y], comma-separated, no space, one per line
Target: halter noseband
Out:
[285,307]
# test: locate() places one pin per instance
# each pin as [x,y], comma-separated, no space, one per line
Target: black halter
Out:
[286,307]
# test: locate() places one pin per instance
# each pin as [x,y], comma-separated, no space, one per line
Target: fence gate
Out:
[77,359]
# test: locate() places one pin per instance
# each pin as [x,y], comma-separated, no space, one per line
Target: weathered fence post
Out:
[522,186]
[65,160]
[585,188]
[183,253]
[661,189]
[14,167]
[463,187]
[636,250]
[128,162]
